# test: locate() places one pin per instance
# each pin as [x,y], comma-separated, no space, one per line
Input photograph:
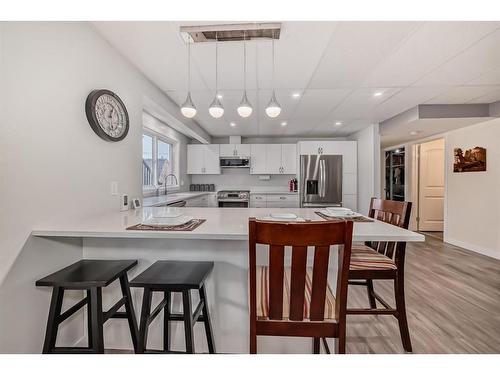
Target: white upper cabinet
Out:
[289,158]
[239,150]
[273,159]
[203,159]
[348,150]
[258,159]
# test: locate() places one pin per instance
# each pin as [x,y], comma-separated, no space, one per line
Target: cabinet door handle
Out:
[282,197]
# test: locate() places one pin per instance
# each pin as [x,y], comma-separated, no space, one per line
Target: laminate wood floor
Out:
[453,304]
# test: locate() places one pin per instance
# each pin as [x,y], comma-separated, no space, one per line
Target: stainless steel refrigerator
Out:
[320,180]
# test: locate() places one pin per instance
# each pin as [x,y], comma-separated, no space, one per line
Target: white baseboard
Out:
[492,253]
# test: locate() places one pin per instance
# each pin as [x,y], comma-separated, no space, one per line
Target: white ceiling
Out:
[336,66]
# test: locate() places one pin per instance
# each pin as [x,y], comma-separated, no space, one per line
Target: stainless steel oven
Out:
[233,198]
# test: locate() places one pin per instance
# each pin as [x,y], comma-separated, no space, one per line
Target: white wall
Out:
[51,162]
[472,218]
[242,179]
[368,165]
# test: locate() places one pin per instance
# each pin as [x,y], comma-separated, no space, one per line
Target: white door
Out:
[211,159]
[431,186]
[195,157]
[227,150]
[273,159]
[258,159]
[242,150]
[289,158]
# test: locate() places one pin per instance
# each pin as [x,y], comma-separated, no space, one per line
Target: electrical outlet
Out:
[113,188]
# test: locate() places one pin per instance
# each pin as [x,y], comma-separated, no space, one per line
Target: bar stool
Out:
[168,277]
[92,276]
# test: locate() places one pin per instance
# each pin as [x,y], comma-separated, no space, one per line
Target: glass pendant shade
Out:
[273,109]
[216,109]
[188,109]
[245,108]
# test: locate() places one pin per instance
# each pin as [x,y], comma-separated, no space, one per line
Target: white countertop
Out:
[221,224]
[172,198]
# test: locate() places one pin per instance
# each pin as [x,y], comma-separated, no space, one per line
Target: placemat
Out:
[187,227]
[359,219]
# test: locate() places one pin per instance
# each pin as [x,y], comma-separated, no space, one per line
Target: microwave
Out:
[235,162]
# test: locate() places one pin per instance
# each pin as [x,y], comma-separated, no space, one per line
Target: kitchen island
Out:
[222,238]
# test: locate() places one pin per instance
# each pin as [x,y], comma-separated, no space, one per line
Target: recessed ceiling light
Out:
[296,94]
[378,93]
[219,96]
[283,123]
[414,132]
[233,124]
[338,123]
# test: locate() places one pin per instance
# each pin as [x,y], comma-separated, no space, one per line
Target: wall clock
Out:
[107,115]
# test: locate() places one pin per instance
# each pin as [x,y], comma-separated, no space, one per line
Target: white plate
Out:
[286,216]
[340,214]
[167,221]
[168,212]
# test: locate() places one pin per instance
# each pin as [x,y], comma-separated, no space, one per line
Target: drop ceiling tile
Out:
[405,99]
[460,94]
[354,50]
[430,45]
[479,59]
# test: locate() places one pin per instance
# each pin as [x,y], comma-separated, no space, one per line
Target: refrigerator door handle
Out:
[322,178]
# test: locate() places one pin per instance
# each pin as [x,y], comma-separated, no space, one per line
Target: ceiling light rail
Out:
[231,32]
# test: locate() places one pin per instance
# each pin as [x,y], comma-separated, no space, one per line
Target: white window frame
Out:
[175,154]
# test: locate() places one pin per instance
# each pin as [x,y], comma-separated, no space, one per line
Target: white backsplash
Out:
[242,179]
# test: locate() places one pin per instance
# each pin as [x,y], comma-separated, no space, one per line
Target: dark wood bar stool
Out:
[168,277]
[92,276]
[383,261]
[297,300]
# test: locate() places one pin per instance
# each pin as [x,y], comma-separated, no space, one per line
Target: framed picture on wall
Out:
[472,160]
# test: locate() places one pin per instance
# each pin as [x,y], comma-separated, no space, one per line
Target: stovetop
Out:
[235,195]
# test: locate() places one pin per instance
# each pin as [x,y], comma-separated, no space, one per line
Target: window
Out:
[158,162]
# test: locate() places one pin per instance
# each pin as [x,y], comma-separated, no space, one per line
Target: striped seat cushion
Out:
[365,258]
[263,295]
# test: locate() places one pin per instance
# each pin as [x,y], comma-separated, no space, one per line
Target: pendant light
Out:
[188,108]
[273,109]
[245,108]
[216,109]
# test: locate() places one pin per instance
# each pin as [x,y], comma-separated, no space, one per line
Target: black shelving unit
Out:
[395,174]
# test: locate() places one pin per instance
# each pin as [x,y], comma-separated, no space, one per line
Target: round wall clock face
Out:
[107,115]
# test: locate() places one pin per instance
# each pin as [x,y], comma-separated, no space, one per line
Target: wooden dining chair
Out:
[383,261]
[297,300]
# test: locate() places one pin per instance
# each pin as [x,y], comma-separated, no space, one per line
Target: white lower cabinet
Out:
[205,200]
[274,200]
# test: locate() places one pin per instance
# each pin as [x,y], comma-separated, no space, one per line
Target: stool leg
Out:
[143,329]
[207,323]
[188,320]
[166,323]
[52,324]
[97,320]
[89,320]
[129,309]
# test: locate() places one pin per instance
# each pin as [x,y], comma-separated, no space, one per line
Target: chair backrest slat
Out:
[298,282]
[276,277]
[319,282]
[392,212]
[299,236]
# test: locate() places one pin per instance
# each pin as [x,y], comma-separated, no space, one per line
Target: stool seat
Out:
[174,275]
[88,273]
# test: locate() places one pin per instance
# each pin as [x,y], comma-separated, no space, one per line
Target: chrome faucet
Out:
[166,178]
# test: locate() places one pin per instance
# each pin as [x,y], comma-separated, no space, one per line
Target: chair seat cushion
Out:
[365,258]
[262,275]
